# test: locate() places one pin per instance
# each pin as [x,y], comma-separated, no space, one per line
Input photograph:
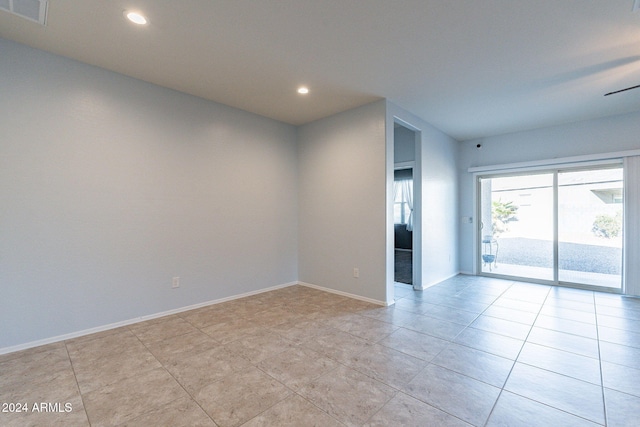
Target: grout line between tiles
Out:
[604,400]
[75,377]
[524,342]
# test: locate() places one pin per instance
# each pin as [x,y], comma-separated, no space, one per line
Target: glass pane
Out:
[590,227]
[517,226]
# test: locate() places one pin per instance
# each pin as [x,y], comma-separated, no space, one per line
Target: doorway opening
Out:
[405,206]
[403,225]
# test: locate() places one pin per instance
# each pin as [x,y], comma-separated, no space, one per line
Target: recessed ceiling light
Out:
[135,17]
[303,90]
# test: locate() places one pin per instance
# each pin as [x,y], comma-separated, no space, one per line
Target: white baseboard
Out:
[344,294]
[115,325]
[428,285]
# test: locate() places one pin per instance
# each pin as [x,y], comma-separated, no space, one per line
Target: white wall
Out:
[612,134]
[110,187]
[438,188]
[342,201]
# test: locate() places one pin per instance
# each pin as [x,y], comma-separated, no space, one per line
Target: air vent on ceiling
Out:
[33,10]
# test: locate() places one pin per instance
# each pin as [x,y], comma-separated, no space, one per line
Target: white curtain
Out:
[396,190]
[631,251]
[407,189]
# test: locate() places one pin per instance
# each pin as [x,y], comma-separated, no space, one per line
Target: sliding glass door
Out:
[517,226]
[559,226]
[590,227]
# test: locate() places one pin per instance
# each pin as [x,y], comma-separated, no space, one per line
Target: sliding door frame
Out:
[555,170]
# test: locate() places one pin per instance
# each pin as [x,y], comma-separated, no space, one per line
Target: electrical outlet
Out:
[175,283]
[356,272]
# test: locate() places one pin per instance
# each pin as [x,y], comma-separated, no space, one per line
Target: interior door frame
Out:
[416,165]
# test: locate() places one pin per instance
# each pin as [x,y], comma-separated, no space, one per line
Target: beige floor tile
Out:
[34,368]
[297,366]
[337,345]
[157,331]
[196,371]
[507,328]
[326,313]
[414,306]
[244,307]
[351,305]
[569,364]
[514,410]
[476,364]
[392,314]
[435,327]
[275,316]
[511,314]
[294,411]
[404,410]
[299,331]
[568,326]
[326,300]
[97,335]
[181,346]
[562,341]
[363,327]
[36,378]
[490,342]
[451,314]
[238,397]
[256,348]
[306,308]
[183,412]
[569,314]
[233,330]
[523,306]
[454,393]
[105,344]
[386,365]
[54,386]
[415,344]
[128,399]
[348,395]
[584,399]
[95,373]
[30,351]
[207,316]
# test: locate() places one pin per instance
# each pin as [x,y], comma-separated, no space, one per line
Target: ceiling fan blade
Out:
[622,90]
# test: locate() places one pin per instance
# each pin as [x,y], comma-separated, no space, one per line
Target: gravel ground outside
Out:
[573,256]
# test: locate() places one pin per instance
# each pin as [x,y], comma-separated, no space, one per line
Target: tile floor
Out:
[469,351]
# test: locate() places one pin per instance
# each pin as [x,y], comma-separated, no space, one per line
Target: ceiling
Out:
[472,68]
